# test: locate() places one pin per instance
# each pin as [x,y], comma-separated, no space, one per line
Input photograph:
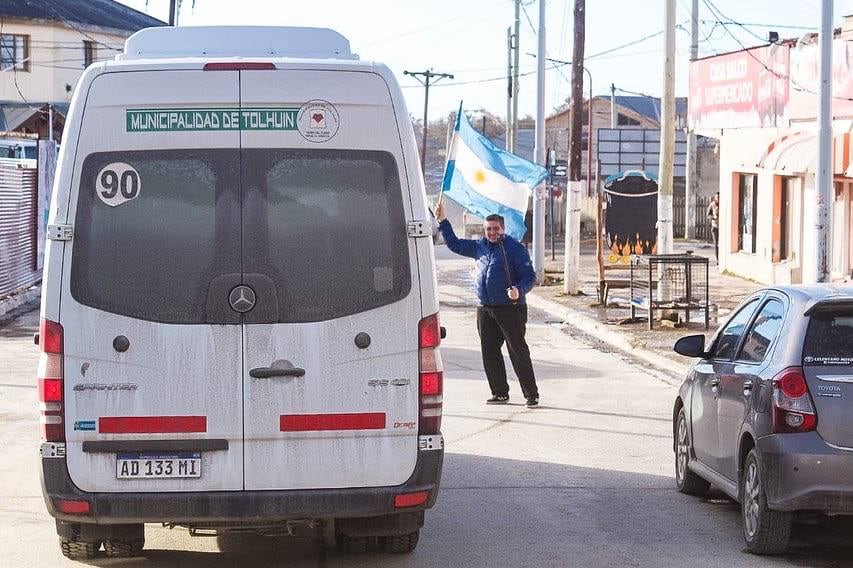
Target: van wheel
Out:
[764,530]
[686,480]
[354,544]
[120,548]
[79,550]
[400,543]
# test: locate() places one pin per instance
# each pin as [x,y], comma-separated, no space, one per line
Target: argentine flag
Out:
[485,179]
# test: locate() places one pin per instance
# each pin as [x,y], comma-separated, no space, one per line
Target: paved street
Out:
[584,480]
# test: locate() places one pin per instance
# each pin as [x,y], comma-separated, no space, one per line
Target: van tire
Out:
[353,544]
[79,550]
[400,543]
[121,548]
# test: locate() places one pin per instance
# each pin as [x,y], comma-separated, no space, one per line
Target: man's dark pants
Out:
[497,324]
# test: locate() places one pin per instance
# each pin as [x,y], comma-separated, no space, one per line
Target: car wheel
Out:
[765,531]
[121,548]
[400,543]
[79,550]
[353,544]
[686,480]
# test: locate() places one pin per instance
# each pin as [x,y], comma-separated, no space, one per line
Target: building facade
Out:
[45,46]
[761,104]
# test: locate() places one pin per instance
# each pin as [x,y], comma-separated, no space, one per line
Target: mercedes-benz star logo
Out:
[242,299]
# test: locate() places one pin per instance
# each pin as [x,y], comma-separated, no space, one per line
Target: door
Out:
[152,351]
[707,382]
[325,248]
[738,386]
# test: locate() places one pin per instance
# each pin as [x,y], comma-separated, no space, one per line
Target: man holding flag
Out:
[495,185]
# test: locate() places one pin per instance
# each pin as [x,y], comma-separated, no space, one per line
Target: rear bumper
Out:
[803,472]
[238,506]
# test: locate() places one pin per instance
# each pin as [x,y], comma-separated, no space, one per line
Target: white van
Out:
[239,317]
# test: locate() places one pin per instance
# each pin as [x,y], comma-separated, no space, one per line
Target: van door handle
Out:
[272,372]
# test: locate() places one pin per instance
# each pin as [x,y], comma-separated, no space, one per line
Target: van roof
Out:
[236,41]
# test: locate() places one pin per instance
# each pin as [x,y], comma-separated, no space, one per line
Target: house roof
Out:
[13,114]
[648,107]
[101,13]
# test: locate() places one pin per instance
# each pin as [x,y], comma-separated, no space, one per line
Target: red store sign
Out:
[743,89]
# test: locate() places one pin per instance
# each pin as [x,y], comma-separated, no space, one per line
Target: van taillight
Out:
[793,409]
[431,376]
[50,385]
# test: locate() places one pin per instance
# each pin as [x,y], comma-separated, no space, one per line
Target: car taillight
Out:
[431,376]
[793,409]
[50,386]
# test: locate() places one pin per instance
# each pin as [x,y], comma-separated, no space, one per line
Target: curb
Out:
[11,303]
[606,334]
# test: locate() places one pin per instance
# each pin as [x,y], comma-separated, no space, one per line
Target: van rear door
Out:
[331,347]
[153,353]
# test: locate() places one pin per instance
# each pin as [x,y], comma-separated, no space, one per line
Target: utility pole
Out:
[540,155]
[427,75]
[613,121]
[509,88]
[571,265]
[823,176]
[691,187]
[667,134]
[516,46]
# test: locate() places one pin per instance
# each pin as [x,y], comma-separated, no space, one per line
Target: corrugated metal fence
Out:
[700,207]
[18,227]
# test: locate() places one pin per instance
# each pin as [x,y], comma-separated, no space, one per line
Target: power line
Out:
[431,26]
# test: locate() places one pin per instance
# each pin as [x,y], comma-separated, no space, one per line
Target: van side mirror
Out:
[691,346]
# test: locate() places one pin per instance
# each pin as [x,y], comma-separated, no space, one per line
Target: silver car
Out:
[766,414]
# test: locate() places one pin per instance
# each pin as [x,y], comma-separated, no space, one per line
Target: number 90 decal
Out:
[116,183]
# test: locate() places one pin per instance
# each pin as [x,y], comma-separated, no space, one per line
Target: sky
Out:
[467,38]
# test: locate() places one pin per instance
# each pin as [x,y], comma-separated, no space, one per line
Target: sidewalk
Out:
[606,324]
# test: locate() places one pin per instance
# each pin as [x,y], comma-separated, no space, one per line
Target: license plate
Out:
[158,466]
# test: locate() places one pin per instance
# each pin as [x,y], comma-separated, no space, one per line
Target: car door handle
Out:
[715,382]
[747,386]
[272,372]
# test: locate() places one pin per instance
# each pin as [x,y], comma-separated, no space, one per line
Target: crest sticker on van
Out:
[118,183]
[317,121]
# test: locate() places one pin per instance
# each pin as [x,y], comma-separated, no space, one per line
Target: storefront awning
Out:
[797,153]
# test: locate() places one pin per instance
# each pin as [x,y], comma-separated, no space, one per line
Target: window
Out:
[785,218]
[747,200]
[729,338]
[14,52]
[762,333]
[89,52]
[154,257]
[829,339]
[622,120]
[328,227]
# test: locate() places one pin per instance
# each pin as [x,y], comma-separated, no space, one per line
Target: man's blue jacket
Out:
[492,281]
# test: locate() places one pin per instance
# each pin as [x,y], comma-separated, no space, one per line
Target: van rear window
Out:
[829,339]
[328,227]
[155,228]
[154,255]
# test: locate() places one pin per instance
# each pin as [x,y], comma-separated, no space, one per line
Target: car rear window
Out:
[328,227]
[153,255]
[829,339]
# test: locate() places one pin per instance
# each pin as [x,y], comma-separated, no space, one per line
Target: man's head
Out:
[494,227]
[717,197]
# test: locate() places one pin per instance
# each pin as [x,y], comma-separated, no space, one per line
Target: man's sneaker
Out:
[498,400]
[532,402]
